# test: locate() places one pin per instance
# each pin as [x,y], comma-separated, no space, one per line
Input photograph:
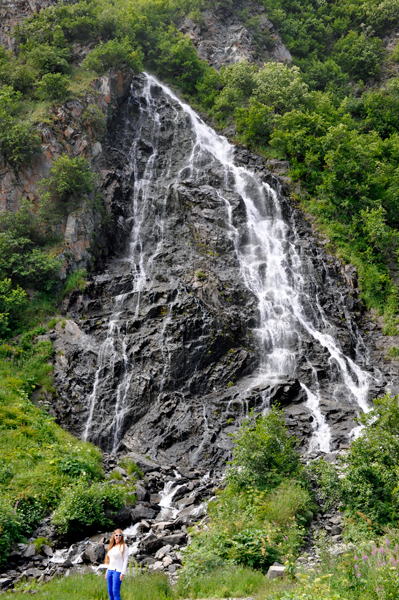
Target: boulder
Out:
[47,550]
[274,572]
[175,539]
[30,551]
[141,493]
[94,553]
[5,582]
[140,512]
[123,517]
[143,463]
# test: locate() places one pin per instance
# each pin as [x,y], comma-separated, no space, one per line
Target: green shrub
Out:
[71,179]
[46,58]
[40,542]
[83,506]
[131,468]
[12,300]
[18,139]
[113,55]
[93,118]
[393,352]
[264,452]
[27,265]
[369,484]
[9,527]
[280,87]
[255,123]
[75,281]
[53,86]
[359,56]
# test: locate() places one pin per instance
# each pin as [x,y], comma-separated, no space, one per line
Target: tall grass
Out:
[222,583]
[94,587]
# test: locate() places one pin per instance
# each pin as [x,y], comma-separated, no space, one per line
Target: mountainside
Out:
[198,225]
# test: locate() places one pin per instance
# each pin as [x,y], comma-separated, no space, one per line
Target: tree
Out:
[264,452]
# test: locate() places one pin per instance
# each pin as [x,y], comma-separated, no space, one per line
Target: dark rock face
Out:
[199,320]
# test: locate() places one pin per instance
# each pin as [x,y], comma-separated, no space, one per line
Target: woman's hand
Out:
[121,577]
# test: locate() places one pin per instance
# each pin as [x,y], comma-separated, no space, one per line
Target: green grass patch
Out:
[233,582]
[74,282]
[38,458]
[81,81]
[93,587]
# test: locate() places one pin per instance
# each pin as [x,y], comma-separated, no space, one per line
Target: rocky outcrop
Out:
[170,500]
[161,353]
[222,37]
[12,12]
[70,130]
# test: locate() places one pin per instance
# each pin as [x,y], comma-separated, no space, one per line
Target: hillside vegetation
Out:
[333,114]
[262,516]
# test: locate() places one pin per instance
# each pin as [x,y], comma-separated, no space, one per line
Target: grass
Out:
[236,582]
[75,281]
[93,587]
[80,81]
[222,583]
[38,459]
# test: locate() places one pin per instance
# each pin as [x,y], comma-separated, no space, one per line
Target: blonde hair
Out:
[112,543]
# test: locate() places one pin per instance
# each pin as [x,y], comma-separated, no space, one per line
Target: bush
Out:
[27,265]
[369,484]
[9,527]
[70,180]
[12,300]
[255,123]
[131,468]
[84,506]
[280,87]
[74,282]
[53,86]
[359,56]
[113,55]
[45,58]
[264,452]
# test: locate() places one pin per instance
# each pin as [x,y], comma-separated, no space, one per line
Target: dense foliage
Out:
[260,516]
[84,507]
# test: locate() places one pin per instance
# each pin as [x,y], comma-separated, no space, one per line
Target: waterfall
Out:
[271,264]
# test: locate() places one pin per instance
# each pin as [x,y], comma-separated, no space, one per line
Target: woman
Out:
[116,559]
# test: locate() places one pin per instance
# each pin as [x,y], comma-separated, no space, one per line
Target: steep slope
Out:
[221,301]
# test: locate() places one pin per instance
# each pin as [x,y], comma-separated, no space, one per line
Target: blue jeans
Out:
[114,585]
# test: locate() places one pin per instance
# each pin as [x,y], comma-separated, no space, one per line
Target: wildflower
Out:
[356,558]
[365,557]
[387,542]
[358,574]
[356,567]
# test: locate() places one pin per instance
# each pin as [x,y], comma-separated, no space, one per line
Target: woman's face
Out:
[118,538]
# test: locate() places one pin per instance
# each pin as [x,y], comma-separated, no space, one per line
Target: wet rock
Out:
[141,493]
[30,551]
[123,517]
[5,582]
[94,554]
[140,512]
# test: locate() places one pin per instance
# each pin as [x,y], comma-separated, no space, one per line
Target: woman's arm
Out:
[125,561]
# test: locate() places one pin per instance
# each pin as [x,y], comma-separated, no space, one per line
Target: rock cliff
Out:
[194,323]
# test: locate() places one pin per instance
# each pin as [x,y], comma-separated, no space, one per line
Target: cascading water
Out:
[267,249]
